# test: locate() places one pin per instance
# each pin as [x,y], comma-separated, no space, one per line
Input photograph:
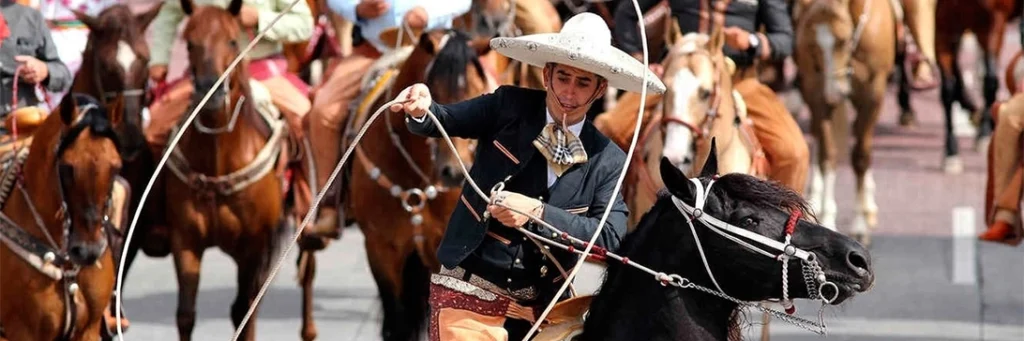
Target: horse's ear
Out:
[426,44]
[675,181]
[86,19]
[718,26]
[235,7]
[187,6]
[68,107]
[145,18]
[711,165]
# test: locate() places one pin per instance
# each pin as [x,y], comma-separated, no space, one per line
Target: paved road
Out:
[932,285]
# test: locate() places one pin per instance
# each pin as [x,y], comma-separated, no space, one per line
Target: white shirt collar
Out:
[575,128]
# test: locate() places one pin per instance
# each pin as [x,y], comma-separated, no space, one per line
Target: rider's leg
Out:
[326,119]
[920,17]
[1005,170]
[165,112]
[778,133]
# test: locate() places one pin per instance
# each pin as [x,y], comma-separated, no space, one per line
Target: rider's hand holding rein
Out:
[415,100]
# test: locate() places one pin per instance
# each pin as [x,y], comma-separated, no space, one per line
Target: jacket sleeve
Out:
[475,118]
[440,13]
[165,29]
[778,43]
[583,227]
[627,29]
[58,77]
[294,26]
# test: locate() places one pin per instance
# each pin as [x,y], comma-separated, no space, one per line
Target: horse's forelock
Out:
[448,69]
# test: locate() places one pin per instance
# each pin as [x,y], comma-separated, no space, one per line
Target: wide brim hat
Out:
[584,43]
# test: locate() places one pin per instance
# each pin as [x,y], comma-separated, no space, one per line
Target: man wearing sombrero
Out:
[554,163]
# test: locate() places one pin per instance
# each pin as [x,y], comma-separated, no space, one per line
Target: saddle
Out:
[375,83]
[27,120]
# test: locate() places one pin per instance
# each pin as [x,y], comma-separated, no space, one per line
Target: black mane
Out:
[449,65]
[95,119]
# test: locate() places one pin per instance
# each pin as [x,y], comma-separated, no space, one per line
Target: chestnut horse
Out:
[55,226]
[844,50]
[224,191]
[987,20]
[310,59]
[402,204]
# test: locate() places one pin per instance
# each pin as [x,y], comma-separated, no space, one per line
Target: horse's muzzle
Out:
[201,86]
[87,253]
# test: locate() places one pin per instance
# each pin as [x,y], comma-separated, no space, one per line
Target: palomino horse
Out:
[55,226]
[633,305]
[403,187]
[841,58]
[987,20]
[224,190]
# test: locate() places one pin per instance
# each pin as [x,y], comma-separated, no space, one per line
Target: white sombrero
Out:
[584,43]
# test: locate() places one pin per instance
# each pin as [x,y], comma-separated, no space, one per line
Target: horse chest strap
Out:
[32,250]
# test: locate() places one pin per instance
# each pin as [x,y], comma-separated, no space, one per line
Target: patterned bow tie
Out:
[560,147]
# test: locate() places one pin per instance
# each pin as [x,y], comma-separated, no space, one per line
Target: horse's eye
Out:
[234,43]
[704,94]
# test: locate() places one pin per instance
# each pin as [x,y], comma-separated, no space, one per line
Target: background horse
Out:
[212,200]
[401,199]
[839,59]
[55,227]
[115,70]
[631,305]
[987,20]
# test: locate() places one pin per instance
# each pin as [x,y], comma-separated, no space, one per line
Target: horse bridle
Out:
[52,255]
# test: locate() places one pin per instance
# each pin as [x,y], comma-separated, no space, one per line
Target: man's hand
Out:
[33,70]
[158,73]
[737,38]
[518,202]
[416,100]
[370,9]
[249,16]
[416,18]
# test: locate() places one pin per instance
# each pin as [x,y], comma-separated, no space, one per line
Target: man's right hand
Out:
[414,100]
[158,73]
[371,9]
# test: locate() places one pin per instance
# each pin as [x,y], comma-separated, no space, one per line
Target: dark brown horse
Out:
[114,70]
[57,264]
[402,205]
[224,191]
[987,20]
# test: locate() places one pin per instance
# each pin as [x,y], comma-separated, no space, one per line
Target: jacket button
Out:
[510,280]
[518,261]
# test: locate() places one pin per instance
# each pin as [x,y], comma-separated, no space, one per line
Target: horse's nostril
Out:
[857,262]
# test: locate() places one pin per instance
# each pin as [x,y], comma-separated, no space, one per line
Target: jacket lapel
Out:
[529,127]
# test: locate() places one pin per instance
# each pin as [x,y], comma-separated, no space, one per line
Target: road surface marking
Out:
[964,246]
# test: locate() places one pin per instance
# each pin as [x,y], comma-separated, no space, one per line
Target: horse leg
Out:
[415,295]
[307,271]
[386,264]
[250,278]
[822,193]
[907,115]
[952,91]
[869,104]
[188,260]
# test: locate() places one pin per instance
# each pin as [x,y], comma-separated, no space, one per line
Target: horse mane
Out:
[766,193]
[95,118]
[451,62]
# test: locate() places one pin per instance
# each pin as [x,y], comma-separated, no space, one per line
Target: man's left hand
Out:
[33,71]
[416,18]
[518,202]
[737,38]
[250,16]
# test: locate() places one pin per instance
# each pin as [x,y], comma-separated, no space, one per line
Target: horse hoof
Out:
[309,334]
[952,165]
[908,119]
[981,145]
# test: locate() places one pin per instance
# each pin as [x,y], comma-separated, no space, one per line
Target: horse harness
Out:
[48,257]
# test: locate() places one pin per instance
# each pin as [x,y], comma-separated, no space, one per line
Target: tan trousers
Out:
[1006,163]
[532,17]
[778,133]
[331,108]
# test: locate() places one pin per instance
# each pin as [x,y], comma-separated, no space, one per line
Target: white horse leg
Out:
[866,216]
[822,192]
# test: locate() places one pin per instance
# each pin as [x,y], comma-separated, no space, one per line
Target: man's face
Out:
[571,91]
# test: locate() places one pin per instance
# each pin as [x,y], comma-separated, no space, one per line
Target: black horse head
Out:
[633,305]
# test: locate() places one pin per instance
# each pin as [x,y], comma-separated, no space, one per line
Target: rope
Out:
[167,154]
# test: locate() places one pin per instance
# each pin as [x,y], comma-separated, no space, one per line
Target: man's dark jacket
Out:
[776,44]
[505,124]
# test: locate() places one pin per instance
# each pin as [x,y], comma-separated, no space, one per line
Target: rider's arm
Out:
[293,27]
[584,226]
[58,77]
[345,8]
[165,29]
[627,30]
[475,118]
[440,13]
[778,43]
